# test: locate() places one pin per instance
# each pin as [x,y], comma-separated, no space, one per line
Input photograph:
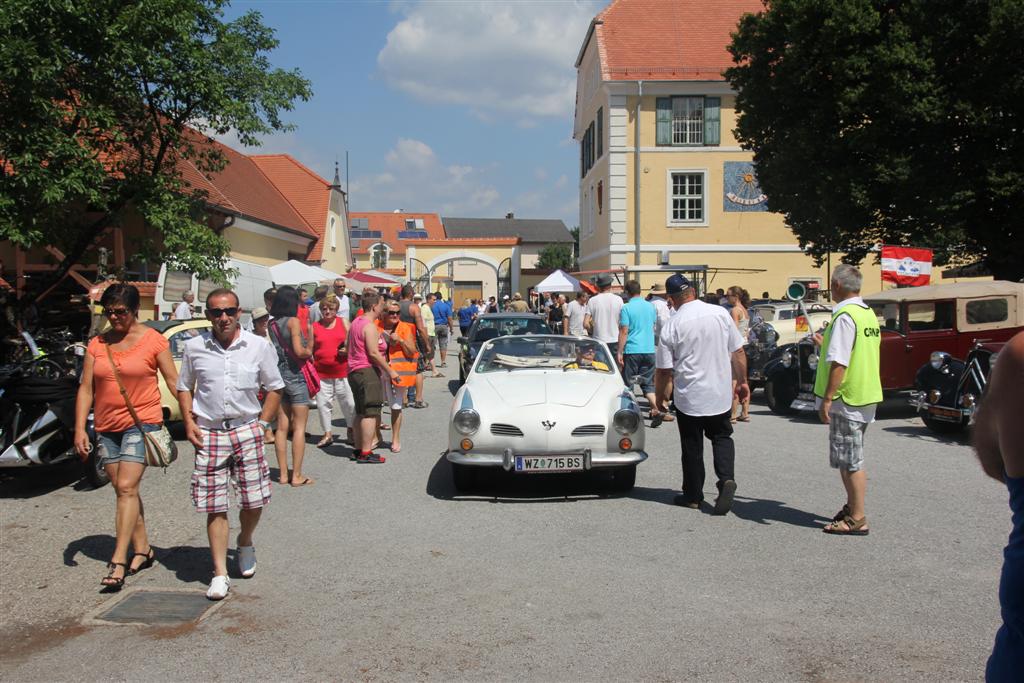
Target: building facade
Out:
[663,181]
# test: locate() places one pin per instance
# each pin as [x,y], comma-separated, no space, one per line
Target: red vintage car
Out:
[916,322]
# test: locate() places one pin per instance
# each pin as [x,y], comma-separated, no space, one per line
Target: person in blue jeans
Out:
[467,314]
[636,345]
[443,321]
[999,442]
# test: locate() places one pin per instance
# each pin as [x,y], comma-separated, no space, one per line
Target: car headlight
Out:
[934,395]
[938,359]
[787,359]
[967,401]
[626,421]
[812,360]
[466,421]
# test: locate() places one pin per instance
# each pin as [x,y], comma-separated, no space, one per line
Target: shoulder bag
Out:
[161,450]
[309,372]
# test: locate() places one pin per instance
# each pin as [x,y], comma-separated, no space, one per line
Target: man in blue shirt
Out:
[443,323]
[467,314]
[636,345]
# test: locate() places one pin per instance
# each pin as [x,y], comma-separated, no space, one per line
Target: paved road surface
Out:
[382,573]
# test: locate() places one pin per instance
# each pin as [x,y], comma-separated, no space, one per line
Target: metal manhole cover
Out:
[156,608]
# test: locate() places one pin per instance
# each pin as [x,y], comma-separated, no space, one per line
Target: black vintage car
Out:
[789,378]
[948,390]
[490,326]
[761,347]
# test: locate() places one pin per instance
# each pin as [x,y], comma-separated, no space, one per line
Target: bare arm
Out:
[83,404]
[192,433]
[623,334]
[999,432]
[270,405]
[370,337]
[296,333]
[835,378]
[165,364]
[408,346]
[421,327]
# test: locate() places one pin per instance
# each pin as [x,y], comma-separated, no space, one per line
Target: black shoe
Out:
[682,500]
[725,495]
[372,458]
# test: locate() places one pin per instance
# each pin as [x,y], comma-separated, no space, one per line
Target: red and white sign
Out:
[906,266]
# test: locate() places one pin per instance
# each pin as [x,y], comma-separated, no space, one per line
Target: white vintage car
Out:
[535,404]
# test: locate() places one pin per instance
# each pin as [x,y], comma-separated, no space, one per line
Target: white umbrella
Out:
[558,281]
[326,274]
[295,273]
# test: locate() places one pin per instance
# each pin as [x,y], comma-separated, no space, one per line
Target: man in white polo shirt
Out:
[702,352]
[603,311]
[220,378]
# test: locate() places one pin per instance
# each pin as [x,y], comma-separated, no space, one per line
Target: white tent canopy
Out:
[558,281]
[296,273]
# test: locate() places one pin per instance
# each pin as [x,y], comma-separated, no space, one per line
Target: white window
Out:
[687,194]
[379,255]
[332,236]
[687,120]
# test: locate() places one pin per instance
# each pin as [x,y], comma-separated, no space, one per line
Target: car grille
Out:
[505,430]
[589,430]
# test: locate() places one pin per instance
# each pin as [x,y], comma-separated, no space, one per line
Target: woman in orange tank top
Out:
[138,352]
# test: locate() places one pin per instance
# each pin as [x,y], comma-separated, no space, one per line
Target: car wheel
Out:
[780,396]
[95,474]
[464,477]
[623,479]
[940,427]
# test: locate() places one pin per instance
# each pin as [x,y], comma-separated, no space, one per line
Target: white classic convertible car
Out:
[545,403]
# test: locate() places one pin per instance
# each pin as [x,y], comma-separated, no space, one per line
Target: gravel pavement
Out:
[383,573]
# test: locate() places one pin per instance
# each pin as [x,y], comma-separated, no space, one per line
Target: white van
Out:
[251,281]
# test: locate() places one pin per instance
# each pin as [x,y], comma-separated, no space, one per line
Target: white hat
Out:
[505,298]
[417,295]
[260,312]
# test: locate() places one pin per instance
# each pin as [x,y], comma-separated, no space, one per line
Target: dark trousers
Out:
[692,431]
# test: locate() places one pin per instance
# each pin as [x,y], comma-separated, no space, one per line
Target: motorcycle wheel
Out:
[940,427]
[94,472]
[779,396]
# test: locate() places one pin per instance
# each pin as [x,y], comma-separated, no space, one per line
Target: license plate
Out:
[544,463]
[945,413]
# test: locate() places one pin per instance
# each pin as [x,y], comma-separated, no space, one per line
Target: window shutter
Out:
[600,132]
[712,120]
[664,119]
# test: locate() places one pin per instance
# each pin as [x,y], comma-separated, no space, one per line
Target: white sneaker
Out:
[218,589]
[247,560]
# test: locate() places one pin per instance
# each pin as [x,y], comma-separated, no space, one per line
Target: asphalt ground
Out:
[382,572]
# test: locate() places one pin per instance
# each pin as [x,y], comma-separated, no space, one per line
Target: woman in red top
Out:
[138,352]
[331,362]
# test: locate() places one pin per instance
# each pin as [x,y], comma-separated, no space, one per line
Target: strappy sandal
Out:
[854,527]
[326,441]
[845,512]
[150,557]
[114,583]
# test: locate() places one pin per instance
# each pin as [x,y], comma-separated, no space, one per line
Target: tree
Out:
[555,256]
[103,101]
[883,122]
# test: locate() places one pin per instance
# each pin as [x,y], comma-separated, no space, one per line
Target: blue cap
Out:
[676,284]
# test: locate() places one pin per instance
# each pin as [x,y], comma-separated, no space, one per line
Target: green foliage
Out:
[555,256]
[99,104]
[888,122]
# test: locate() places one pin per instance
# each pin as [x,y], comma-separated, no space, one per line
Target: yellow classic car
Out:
[177,332]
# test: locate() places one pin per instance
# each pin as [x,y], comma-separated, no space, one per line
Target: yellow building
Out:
[663,181]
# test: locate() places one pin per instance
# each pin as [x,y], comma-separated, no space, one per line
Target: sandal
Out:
[845,512]
[326,441]
[146,564]
[114,583]
[854,527]
[305,481]
[744,418]
[420,404]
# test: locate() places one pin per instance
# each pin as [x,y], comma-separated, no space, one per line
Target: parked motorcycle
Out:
[37,416]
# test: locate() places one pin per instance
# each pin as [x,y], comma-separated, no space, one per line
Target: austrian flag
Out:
[906,266]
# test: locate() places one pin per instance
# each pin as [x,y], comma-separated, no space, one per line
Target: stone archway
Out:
[498,256]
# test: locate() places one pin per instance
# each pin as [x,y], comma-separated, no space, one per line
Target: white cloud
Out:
[415,179]
[506,58]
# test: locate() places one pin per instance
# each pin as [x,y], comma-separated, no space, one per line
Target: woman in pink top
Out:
[138,352]
[331,363]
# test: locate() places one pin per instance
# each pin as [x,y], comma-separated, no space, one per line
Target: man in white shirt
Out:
[664,312]
[575,314]
[343,300]
[703,355]
[602,317]
[183,311]
[218,385]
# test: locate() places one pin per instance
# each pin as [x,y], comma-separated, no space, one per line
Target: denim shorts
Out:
[641,366]
[296,391]
[126,446]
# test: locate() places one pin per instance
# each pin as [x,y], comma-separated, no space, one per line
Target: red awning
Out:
[368,279]
[585,284]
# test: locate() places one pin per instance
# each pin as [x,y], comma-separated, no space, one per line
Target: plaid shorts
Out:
[846,443]
[237,455]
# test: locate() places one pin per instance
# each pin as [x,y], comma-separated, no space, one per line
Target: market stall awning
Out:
[296,273]
[558,281]
[371,278]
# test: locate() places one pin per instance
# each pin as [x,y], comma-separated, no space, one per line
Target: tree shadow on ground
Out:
[31,482]
[190,564]
[494,485]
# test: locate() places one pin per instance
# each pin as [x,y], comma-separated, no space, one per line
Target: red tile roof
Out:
[308,194]
[672,40]
[390,224]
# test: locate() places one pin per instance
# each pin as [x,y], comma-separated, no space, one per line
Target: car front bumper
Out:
[919,399]
[506,459]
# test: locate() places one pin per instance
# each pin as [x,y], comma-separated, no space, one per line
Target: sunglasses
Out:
[339,286]
[115,312]
[218,312]
[394,313]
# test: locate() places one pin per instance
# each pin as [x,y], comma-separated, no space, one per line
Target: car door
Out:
[930,326]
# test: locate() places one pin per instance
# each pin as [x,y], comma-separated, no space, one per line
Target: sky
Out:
[461,108]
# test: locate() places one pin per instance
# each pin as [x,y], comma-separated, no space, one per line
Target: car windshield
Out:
[489,328]
[532,352]
[888,314]
[767,313]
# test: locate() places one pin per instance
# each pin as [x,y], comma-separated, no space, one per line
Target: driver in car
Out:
[585,354]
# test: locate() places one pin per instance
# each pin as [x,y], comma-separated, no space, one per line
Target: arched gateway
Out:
[471,267]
